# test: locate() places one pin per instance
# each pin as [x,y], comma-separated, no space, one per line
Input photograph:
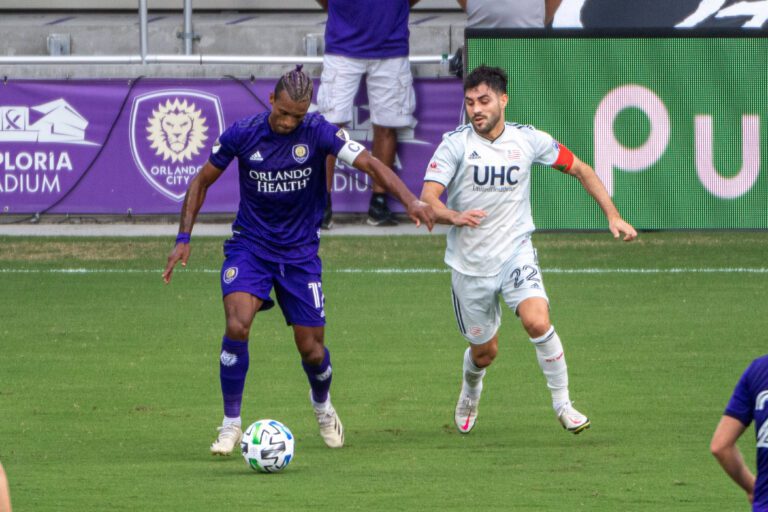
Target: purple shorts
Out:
[298,286]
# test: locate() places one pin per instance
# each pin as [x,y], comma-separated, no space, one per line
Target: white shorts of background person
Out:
[391,102]
[391,97]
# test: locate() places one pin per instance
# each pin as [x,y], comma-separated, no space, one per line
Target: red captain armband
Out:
[564,160]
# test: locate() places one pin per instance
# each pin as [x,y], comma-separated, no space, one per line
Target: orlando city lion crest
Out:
[171,132]
[300,153]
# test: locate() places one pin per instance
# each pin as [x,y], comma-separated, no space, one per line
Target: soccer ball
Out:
[267,446]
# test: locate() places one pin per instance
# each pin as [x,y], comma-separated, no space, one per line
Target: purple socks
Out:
[319,377]
[233,366]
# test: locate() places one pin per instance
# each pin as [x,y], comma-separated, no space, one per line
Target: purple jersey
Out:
[748,403]
[367,29]
[282,183]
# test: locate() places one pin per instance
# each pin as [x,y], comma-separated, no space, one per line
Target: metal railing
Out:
[188,58]
[182,59]
[143,29]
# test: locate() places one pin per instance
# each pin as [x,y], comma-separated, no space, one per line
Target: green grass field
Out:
[109,379]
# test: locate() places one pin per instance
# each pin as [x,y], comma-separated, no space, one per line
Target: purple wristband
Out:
[182,238]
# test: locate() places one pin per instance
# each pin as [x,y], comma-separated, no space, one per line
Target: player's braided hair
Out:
[494,78]
[296,84]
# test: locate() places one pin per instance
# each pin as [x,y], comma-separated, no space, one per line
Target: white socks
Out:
[549,352]
[473,376]
[320,406]
[231,421]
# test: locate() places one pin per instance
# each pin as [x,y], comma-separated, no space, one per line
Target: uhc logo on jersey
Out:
[495,176]
[300,153]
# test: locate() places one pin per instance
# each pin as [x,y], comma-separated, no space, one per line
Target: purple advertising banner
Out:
[120,147]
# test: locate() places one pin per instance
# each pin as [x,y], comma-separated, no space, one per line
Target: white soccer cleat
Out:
[571,419]
[331,429]
[465,414]
[229,437]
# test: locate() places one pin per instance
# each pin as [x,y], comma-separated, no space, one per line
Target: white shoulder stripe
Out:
[520,126]
[459,130]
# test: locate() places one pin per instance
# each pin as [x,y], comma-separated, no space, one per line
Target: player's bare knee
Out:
[536,326]
[310,346]
[484,359]
[535,319]
[312,352]
[237,330]
[483,355]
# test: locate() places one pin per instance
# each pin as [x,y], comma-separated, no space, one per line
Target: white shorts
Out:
[476,299]
[391,97]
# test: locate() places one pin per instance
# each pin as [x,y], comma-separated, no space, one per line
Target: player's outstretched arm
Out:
[193,201]
[723,447]
[5,494]
[431,193]
[418,211]
[592,184]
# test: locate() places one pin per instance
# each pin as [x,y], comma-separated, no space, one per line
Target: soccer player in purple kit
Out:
[281,159]
[748,403]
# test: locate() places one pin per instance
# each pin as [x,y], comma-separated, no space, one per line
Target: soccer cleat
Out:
[466,413]
[229,437]
[379,213]
[331,429]
[572,420]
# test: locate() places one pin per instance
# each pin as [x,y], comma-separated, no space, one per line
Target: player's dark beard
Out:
[491,120]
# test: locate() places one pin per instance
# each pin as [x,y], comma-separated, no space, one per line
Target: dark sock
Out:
[319,377]
[233,367]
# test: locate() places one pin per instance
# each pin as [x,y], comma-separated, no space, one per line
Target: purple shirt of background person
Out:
[367,29]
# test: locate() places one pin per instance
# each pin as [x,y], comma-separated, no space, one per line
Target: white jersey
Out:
[495,177]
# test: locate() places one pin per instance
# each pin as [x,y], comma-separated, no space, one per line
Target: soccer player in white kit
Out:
[485,167]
